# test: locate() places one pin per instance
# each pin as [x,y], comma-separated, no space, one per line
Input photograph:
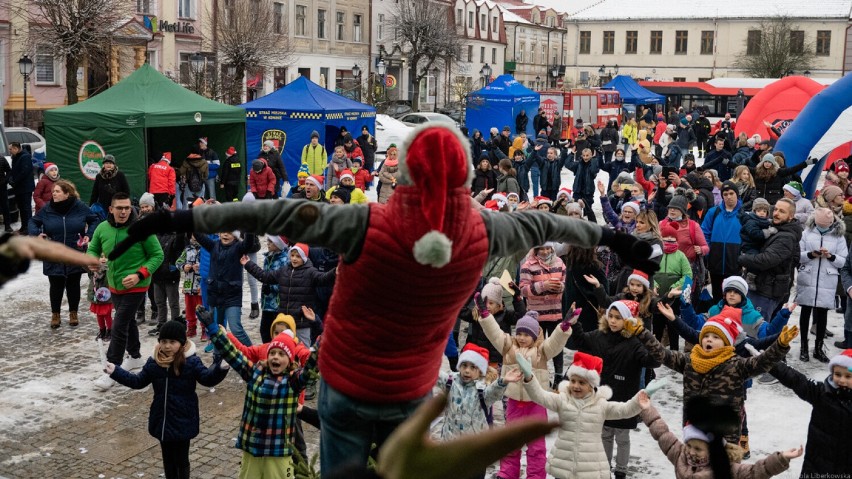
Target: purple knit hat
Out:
[529,324]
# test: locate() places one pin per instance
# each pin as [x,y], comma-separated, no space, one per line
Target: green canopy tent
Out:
[136,120]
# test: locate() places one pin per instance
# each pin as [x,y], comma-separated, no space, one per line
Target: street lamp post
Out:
[435,75]
[356,73]
[196,62]
[554,72]
[601,73]
[381,68]
[25,64]
[537,82]
[486,74]
[740,101]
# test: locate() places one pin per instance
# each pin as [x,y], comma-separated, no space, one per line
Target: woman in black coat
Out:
[477,146]
[69,221]
[484,178]
[108,182]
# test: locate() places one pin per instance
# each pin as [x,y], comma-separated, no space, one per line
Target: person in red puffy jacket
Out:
[262,180]
[161,180]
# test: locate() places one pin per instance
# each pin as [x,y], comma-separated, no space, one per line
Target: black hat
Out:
[342,194]
[729,185]
[175,330]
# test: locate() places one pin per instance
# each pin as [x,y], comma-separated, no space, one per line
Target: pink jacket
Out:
[533,274]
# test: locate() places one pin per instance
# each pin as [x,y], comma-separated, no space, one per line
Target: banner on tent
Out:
[307,115]
[90,159]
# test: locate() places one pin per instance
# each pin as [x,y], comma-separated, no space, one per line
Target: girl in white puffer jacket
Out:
[583,405]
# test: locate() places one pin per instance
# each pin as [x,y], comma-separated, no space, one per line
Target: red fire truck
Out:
[594,106]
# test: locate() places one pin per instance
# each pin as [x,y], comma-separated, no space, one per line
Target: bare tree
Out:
[778,47]
[460,88]
[250,36]
[74,30]
[427,35]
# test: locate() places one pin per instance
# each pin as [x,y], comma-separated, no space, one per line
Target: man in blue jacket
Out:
[721,227]
[720,160]
[22,183]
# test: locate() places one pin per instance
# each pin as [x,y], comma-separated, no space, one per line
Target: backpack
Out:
[489,416]
[195,183]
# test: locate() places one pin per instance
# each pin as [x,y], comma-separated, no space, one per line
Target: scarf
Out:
[64,206]
[696,462]
[109,174]
[669,247]
[166,361]
[703,361]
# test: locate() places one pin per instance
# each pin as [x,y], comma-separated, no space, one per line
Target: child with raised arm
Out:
[692,456]
[173,369]
[830,428]
[583,406]
[269,412]
[712,368]
[528,342]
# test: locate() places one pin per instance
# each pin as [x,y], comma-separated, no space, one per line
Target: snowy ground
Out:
[46,377]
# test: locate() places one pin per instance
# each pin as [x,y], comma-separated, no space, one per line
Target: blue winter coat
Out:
[716,160]
[174,410]
[65,229]
[722,231]
[225,280]
[21,178]
[584,175]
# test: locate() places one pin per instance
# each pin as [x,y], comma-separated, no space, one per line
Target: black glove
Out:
[162,221]
[632,251]
[206,318]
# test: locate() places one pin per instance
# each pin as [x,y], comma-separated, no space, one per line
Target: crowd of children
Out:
[621,323]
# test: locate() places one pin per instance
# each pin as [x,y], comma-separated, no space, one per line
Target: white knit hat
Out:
[632,205]
[691,432]
[493,290]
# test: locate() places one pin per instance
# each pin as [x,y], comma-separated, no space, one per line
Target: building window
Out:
[494,24]
[459,16]
[656,42]
[483,23]
[481,54]
[609,42]
[380,29]
[550,21]
[753,42]
[631,42]
[681,39]
[708,38]
[704,79]
[469,19]
[679,79]
[45,66]
[321,14]
[341,24]
[301,19]
[185,9]
[544,54]
[554,57]
[493,56]
[823,42]
[151,59]
[229,13]
[470,53]
[185,74]
[148,7]
[278,17]
[585,42]
[356,34]
[797,41]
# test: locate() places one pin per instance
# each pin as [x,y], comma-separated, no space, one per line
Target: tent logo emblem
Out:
[91,159]
[198,117]
[277,137]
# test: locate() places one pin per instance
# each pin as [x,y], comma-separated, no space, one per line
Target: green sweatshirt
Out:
[144,257]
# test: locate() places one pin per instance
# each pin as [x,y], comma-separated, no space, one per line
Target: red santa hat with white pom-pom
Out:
[435,160]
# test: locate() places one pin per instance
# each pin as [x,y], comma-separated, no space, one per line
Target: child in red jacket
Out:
[262,180]
[363,178]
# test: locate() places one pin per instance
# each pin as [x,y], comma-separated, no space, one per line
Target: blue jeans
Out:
[763,305]
[350,426]
[180,202]
[230,317]
[252,281]
[535,173]
[210,186]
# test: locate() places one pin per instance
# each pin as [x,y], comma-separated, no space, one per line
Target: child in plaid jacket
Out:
[272,396]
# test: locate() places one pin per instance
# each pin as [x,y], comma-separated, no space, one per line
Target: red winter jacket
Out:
[43,192]
[262,184]
[363,178]
[161,178]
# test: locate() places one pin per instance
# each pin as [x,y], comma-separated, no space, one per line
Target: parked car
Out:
[414,119]
[390,130]
[397,109]
[25,136]
[454,111]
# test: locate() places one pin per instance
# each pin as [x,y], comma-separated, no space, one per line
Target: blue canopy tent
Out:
[289,115]
[634,94]
[499,103]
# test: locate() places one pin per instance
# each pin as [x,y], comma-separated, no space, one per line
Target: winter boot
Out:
[819,352]
[108,335]
[803,356]
[620,475]
[847,341]
[311,392]
[54,320]
[73,320]
[255,311]
[101,334]
[744,446]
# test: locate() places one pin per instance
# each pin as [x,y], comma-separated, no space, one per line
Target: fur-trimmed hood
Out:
[689,194]
[603,393]
[189,349]
[838,228]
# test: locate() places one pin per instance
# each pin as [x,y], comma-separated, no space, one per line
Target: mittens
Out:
[570,319]
[656,385]
[524,366]
[631,250]
[633,326]
[787,335]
